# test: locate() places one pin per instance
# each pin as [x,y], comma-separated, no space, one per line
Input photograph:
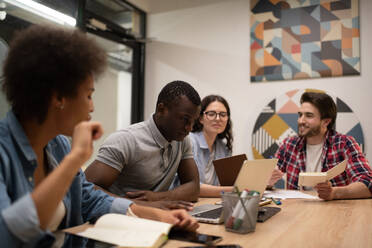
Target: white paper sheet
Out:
[288,194]
[310,179]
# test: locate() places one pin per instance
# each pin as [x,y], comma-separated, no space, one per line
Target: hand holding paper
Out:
[310,179]
[325,190]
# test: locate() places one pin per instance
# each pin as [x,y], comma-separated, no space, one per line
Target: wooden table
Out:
[303,223]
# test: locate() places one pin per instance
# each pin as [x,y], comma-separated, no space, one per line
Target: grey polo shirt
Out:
[144,158]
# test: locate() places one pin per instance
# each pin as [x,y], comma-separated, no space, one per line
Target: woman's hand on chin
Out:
[82,139]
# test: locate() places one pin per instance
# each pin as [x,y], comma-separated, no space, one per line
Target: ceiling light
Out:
[43,11]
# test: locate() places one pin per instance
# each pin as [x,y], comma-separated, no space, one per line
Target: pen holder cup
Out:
[240,213]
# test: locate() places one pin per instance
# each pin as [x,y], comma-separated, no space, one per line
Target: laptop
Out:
[227,169]
[253,175]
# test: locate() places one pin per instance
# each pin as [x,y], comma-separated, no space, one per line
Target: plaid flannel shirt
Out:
[337,147]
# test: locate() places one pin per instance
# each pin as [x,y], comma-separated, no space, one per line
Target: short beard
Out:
[312,132]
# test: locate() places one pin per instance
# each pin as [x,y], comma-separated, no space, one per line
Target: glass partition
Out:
[124,24]
[117,26]
[119,13]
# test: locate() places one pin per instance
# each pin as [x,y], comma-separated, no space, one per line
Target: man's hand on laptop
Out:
[167,205]
[143,195]
[275,176]
[188,206]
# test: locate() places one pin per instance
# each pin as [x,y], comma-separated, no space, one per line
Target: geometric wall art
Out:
[278,120]
[299,39]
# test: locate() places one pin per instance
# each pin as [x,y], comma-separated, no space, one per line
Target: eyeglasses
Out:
[212,115]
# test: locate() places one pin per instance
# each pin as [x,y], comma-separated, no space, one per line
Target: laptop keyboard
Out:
[211,214]
[264,213]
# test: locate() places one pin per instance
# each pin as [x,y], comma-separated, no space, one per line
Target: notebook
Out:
[265,213]
[253,175]
[227,169]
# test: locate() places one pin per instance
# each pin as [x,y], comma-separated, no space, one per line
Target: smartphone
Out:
[193,237]
[214,246]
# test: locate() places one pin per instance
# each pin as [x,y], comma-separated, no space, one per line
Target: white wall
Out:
[208,46]
[105,106]
[124,99]
[112,104]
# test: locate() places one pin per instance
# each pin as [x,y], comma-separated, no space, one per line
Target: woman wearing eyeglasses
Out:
[212,139]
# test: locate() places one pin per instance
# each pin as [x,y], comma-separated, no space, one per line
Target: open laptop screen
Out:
[255,174]
[227,169]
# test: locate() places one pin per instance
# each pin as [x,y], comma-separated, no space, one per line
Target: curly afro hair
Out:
[46,60]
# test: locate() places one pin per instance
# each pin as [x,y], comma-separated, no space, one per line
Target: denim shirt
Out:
[19,222]
[201,153]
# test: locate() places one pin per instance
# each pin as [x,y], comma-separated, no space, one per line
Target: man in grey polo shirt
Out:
[140,162]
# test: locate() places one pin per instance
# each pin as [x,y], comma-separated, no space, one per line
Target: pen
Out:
[253,192]
[276,201]
[236,212]
[265,202]
[236,190]
[246,204]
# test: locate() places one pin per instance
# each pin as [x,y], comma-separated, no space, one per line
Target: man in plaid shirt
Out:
[318,148]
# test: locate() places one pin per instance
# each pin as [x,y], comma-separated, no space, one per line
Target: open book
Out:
[310,179]
[125,231]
